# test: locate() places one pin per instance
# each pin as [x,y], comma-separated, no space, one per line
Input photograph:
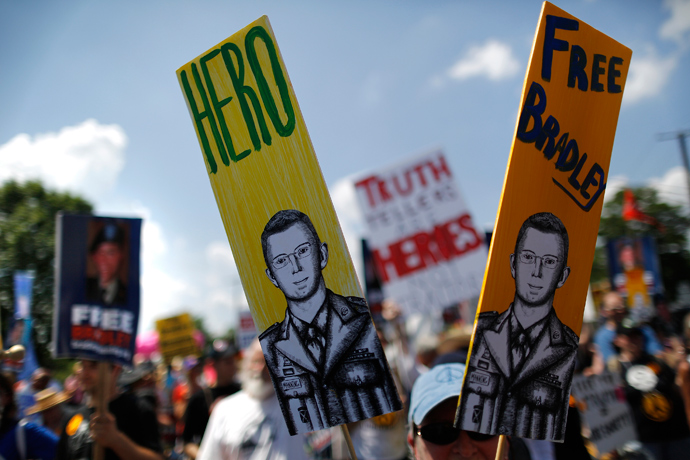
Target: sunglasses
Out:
[443,434]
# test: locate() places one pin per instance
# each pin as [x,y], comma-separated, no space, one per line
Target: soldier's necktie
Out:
[520,349]
[316,343]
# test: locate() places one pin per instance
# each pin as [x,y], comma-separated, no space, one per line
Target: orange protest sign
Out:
[530,312]
[321,348]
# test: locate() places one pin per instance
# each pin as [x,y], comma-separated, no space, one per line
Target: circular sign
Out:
[641,378]
[656,407]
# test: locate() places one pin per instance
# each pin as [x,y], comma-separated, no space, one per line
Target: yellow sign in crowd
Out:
[326,361]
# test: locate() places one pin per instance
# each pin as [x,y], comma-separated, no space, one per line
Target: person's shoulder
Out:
[232,405]
[347,306]
[196,398]
[487,317]
[570,337]
[130,404]
[38,432]
[270,333]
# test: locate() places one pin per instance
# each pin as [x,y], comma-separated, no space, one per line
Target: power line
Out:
[680,135]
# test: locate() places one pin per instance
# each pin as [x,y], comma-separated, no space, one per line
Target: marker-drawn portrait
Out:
[325,359]
[522,362]
[106,267]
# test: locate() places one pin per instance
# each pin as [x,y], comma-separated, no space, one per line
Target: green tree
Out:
[670,234]
[27,242]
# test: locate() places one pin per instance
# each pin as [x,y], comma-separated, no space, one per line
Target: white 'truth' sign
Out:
[427,251]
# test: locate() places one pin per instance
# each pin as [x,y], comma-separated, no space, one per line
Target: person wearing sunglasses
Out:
[431,434]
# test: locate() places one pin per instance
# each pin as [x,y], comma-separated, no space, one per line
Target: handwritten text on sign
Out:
[214,99]
[543,243]
[426,249]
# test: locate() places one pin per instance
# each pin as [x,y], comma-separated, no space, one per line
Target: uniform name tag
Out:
[481,379]
[292,384]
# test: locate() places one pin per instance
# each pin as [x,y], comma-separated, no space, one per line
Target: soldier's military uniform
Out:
[352,381]
[529,398]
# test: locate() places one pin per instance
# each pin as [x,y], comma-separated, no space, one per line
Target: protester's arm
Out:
[104,432]
[598,365]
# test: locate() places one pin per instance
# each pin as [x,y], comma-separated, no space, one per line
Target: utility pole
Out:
[680,135]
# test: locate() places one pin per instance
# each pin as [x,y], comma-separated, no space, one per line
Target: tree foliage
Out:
[27,242]
[670,234]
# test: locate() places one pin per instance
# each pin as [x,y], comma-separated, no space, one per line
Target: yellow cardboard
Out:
[562,173]
[175,337]
[261,161]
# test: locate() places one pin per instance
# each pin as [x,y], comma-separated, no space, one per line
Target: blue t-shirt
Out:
[604,341]
[40,443]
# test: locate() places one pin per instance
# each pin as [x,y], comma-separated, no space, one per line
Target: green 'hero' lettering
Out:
[250,104]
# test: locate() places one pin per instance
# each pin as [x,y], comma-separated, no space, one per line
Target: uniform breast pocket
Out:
[297,386]
[541,394]
[356,374]
[482,382]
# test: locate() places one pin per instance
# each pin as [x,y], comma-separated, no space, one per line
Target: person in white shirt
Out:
[249,424]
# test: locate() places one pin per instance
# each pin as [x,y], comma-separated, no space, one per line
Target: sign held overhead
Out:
[523,351]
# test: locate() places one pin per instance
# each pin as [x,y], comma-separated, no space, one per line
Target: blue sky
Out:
[91,104]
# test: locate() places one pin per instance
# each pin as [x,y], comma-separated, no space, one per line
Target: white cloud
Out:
[613,186]
[672,187]
[351,221]
[85,159]
[678,25]
[372,90]
[648,76]
[493,60]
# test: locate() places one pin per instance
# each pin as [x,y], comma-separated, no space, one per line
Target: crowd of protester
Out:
[222,405]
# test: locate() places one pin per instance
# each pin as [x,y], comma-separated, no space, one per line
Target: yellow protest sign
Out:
[522,357]
[320,345]
[176,337]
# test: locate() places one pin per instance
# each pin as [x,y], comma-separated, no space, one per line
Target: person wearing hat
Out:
[432,435]
[49,406]
[107,254]
[223,355]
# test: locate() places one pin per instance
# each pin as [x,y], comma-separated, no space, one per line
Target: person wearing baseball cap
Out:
[432,435]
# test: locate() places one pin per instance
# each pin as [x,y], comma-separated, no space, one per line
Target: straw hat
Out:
[46,399]
[455,339]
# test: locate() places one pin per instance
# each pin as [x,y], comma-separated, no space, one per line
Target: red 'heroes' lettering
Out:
[421,250]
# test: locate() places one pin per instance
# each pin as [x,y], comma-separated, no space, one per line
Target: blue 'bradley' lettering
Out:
[545,136]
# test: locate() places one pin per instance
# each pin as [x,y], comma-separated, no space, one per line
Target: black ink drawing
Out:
[325,359]
[521,367]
